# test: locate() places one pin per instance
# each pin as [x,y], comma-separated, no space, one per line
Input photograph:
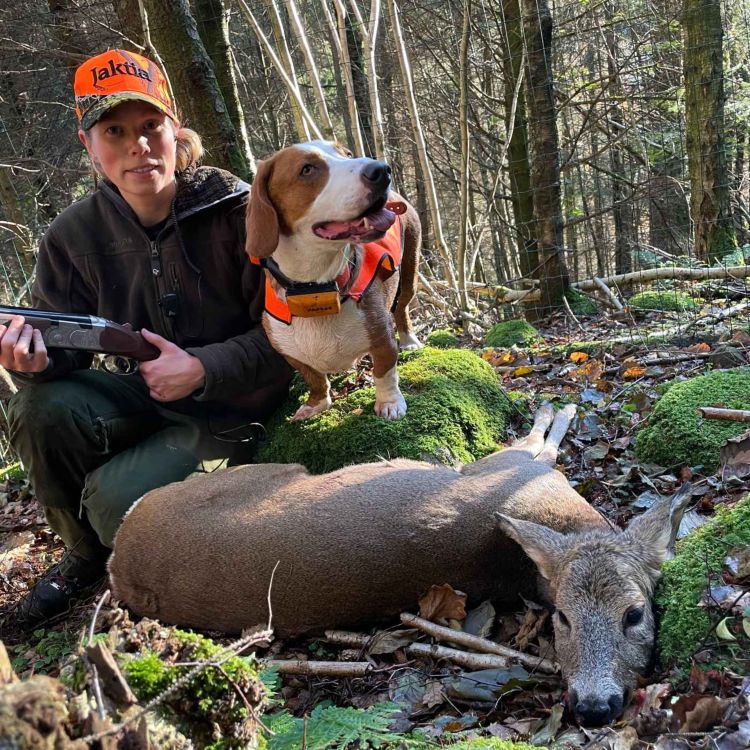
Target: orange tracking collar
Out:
[379,259]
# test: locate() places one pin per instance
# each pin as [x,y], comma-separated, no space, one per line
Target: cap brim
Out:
[95,113]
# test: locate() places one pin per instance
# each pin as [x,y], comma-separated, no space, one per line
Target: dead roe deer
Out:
[363,543]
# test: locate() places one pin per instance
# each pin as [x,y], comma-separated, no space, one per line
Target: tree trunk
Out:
[212,19]
[545,156]
[421,145]
[199,98]
[284,54]
[463,124]
[704,125]
[312,69]
[519,169]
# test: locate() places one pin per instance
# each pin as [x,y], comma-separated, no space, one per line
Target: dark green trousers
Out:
[93,443]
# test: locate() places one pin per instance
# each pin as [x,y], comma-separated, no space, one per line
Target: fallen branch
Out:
[609,296]
[320,668]
[474,642]
[653,274]
[734,415]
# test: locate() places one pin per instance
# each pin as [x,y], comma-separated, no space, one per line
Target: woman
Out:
[159,245]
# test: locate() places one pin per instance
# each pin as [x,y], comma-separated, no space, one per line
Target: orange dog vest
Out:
[380,259]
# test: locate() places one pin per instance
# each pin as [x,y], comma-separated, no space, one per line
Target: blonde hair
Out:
[189,149]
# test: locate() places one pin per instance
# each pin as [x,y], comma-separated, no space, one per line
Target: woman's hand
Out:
[15,343]
[174,374]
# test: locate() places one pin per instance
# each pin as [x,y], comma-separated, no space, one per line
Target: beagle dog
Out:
[331,237]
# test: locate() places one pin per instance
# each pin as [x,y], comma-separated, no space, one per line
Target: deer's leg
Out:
[563,418]
[533,443]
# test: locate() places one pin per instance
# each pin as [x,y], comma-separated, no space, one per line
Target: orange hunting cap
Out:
[117,76]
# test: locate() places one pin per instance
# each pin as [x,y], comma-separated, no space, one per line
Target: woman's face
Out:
[134,146]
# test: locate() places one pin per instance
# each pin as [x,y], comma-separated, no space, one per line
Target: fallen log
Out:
[733,415]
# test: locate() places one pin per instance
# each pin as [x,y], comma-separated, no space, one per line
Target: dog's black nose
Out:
[377,174]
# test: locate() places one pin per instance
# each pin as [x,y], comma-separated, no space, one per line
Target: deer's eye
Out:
[633,617]
[562,619]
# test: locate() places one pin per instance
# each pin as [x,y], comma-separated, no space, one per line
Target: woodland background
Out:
[543,143]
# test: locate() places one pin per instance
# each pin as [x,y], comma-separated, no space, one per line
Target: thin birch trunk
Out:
[463,120]
[285,55]
[422,148]
[346,69]
[312,69]
[368,34]
[291,85]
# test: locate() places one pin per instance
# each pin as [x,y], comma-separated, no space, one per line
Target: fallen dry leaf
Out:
[578,356]
[700,347]
[443,603]
[707,712]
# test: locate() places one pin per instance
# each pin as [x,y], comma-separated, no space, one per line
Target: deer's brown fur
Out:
[363,543]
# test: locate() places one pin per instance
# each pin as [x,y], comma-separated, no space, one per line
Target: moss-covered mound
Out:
[456,411]
[512,333]
[677,434]
[207,705]
[442,339]
[700,556]
[666,300]
[579,303]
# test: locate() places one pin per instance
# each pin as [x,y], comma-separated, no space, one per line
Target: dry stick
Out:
[320,668]
[609,295]
[734,415]
[571,313]
[477,643]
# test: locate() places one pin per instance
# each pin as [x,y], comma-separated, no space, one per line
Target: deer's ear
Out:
[542,544]
[655,532]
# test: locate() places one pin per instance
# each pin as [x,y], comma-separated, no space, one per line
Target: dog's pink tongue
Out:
[380,221]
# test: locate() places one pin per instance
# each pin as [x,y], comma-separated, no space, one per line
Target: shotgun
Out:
[85,332]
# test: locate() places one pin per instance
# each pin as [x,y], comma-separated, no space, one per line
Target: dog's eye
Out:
[306,170]
[349,154]
[632,617]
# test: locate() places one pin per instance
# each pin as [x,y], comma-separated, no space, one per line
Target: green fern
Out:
[332,728]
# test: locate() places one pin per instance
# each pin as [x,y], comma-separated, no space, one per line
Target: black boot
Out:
[58,588]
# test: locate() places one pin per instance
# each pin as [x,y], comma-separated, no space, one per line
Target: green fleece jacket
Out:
[97,259]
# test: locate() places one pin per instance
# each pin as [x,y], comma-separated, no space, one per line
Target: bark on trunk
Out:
[545,156]
[704,124]
[519,169]
[212,19]
[199,98]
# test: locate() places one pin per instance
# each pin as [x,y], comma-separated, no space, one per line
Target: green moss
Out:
[676,434]
[580,303]
[683,625]
[512,332]
[12,471]
[665,300]
[442,339]
[209,701]
[724,243]
[456,412]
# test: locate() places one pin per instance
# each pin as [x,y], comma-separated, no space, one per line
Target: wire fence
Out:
[644,139]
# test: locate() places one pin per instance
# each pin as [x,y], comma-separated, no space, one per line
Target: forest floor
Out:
[615,387]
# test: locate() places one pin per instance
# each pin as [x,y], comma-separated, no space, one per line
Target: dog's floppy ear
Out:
[261,221]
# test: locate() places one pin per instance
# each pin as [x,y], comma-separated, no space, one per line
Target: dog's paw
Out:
[391,409]
[306,410]
[408,342]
